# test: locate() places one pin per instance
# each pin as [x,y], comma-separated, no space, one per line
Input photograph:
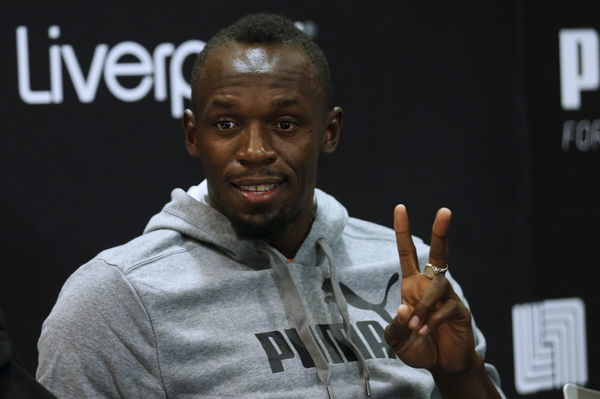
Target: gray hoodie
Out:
[188,310]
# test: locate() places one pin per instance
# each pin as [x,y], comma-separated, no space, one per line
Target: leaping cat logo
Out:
[360,303]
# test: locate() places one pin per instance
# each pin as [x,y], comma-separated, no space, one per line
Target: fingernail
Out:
[414,322]
[424,330]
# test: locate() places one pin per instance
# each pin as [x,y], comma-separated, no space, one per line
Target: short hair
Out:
[267,28]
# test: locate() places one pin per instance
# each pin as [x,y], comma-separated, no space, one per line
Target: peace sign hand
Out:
[432,329]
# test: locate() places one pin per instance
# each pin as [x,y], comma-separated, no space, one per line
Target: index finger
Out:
[406,248]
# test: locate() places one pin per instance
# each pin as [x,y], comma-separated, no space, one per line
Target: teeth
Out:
[261,188]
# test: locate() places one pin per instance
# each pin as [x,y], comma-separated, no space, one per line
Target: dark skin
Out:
[259,118]
[259,125]
[432,328]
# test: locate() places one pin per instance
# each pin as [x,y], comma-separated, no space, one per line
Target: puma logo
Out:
[279,346]
[355,300]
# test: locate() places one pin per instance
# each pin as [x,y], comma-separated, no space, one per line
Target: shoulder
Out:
[109,281]
[98,328]
[93,294]
[105,286]
[375,239]
[145,249]
[364,230]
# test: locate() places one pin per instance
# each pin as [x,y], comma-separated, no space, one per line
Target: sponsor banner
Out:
[549,340]
[441,109]
[579,72]
[159,71]
[562,74]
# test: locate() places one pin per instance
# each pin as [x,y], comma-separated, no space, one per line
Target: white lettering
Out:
[56,83]
[113,69]
[106,62]
[578,65]
[54,32]
[308,27]
[568,134]
[28,95]
[585,134]
[161,52]
[86,88]
[582,135]
[180,88]
[595,135]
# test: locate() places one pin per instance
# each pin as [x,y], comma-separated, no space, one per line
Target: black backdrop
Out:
[446,104]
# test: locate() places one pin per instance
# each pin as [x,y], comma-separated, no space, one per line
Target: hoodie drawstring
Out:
[342,305]
[301,320]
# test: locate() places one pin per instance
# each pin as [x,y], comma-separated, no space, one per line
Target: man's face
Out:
[259,124]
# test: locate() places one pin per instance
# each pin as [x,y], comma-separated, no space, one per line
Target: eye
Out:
[225,124]
[286,125]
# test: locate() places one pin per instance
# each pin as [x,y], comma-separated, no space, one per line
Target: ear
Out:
[333,130]
[189,128]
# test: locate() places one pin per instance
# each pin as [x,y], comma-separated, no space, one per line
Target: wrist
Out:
[472,382]
[472,365]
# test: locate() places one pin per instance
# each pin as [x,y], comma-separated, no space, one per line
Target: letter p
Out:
[276,349]
[578,65]
[180,89]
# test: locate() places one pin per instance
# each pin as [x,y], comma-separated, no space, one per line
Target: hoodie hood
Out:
[189,214]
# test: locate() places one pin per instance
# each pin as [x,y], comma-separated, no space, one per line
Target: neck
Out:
[290,240]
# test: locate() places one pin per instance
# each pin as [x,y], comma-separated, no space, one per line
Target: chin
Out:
[265,226]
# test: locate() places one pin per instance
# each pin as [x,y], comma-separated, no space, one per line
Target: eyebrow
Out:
[229,104]
[284,102]
[226,104]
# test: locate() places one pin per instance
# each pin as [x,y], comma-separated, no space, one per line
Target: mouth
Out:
[258,190]
[261,189]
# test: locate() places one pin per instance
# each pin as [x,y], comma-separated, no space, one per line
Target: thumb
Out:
[397,333]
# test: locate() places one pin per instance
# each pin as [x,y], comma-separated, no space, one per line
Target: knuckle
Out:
[443,283]
[459,310]
[436,235]
[434,321]
[463,310]
[454,308]
[387,334]
[422,309]
[405,252]
[437,255]
[392,334]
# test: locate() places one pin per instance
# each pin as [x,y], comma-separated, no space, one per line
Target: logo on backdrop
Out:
[159,71]
[579,71]
[549,343]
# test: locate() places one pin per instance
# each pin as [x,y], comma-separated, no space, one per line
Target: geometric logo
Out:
[549,342]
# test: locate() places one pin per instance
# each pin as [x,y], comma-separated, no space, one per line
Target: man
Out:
[254,283]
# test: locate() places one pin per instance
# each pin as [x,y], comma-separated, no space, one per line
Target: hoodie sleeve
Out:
[98,341]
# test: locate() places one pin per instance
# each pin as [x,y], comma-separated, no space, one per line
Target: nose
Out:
[256,146]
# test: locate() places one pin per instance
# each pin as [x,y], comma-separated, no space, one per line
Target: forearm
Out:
[472,384]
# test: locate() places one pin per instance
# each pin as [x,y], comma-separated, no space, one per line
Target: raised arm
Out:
[432,328]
